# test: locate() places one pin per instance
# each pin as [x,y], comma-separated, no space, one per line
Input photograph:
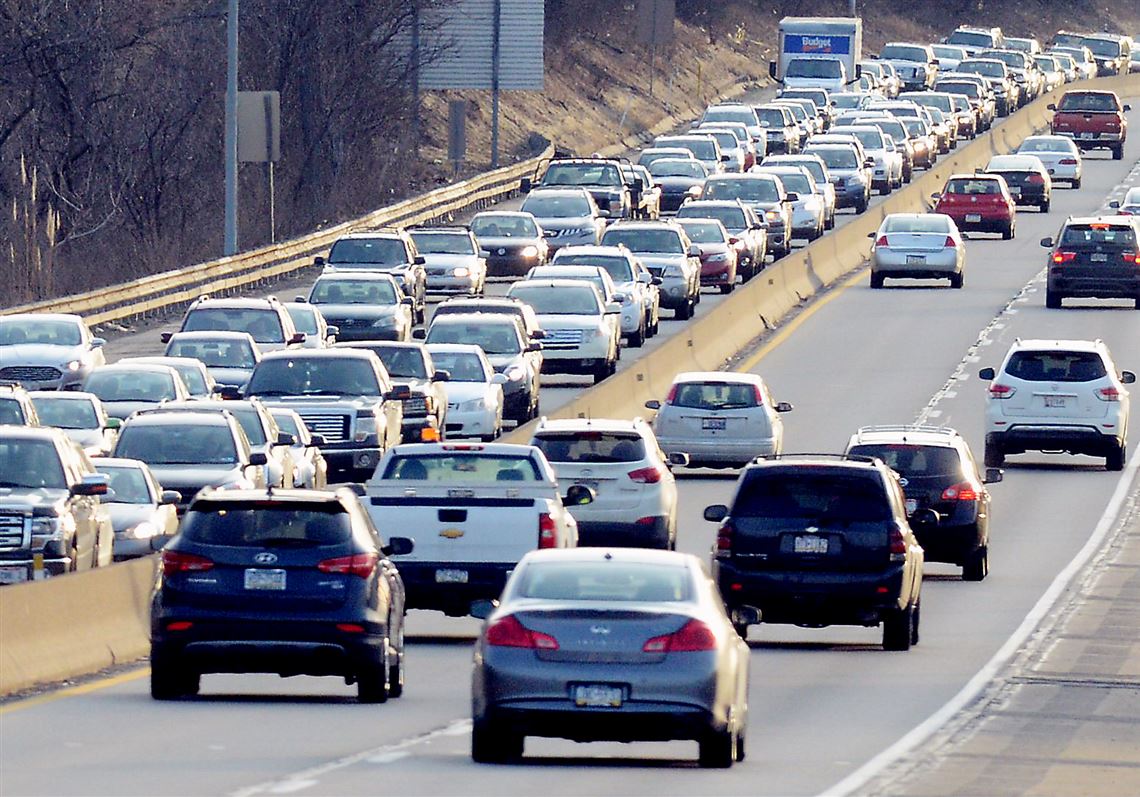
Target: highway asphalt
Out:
[823,702]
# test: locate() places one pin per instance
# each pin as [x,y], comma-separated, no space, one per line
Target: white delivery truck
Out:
[818,52]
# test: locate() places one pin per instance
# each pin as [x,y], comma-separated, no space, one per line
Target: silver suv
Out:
[1057,395]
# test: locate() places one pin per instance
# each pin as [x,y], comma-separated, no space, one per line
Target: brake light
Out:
[1064,257]
[724,540]
[882,241]
[963,491]
[358,564]
[692,636]
[179,625]
[1036,179]
[508,632]
[650,475]
[897,544]
[1068,161]
[546,531]
[999,391]
[672,395]
[1131,257]
[1108,393]
[176,562]
[950,242]
[759,395]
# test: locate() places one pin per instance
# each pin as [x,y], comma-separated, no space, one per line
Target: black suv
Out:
[1094,257]
[293,582]
[816,540]
[938,472]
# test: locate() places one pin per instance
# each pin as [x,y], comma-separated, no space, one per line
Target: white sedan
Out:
[918,245]
[1058,154]
[474,390]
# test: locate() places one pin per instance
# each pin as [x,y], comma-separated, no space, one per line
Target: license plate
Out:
[1088,135]
[594,696]
[261,578]
[13,575]
[450,576]
[1014,190]
[1055,401]
[911,506]
[916,260]
[714,424]
[975,217]
[810,544]
[1099,258]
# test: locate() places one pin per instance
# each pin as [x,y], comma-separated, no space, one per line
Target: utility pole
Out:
[495,57]
[231,135]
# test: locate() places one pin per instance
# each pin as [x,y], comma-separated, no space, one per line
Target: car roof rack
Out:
[918,428]
[820,455]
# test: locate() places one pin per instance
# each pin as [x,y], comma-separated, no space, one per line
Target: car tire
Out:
[170,682]
[1075,183]
[957,280]
[1114,459]
[637,339]
[684,312]
[397,671]
[728,287]
[994,454]
[601,371]
[1118,152]
[741,630]
[372,682]
[1053,299]
[977,565]
[861,206]
[897,628]
[492,744]
[717,749]
[915,620]
[1008,232]
[1044,206]
[877,280]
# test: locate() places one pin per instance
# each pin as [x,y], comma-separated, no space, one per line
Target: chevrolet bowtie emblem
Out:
[451,534]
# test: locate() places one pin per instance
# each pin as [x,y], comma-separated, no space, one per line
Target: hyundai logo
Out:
[265,558]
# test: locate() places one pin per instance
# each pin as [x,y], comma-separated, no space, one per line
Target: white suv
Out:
[1058,396]
[635,501]
[583,333]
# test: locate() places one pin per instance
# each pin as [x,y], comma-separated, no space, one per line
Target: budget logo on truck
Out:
[817,45]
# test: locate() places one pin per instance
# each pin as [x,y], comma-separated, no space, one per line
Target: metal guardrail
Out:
[160,292]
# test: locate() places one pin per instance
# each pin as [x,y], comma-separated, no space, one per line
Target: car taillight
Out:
[546,531]
[693,635]
[508,632]
[1036,179]
[1068,161]
[949,243]
[1108,393]
[650,475]
[672,395]
[1064,257]
[963,491]
[724,540]
[1131,257]
[358,564]
[897,544]
[759,395]
[882,241]
[999,391]
[176,562]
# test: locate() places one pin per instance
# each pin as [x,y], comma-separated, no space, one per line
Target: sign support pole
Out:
[495,55]
[231,137]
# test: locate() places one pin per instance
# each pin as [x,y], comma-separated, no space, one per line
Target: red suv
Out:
[978,202]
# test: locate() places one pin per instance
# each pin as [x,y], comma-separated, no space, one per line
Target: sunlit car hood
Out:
[126,516]
[41,354]
[32,497]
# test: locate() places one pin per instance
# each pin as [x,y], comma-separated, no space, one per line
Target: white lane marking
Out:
[381,755]
[974,687]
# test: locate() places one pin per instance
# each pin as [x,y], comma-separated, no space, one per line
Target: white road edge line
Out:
[981,679]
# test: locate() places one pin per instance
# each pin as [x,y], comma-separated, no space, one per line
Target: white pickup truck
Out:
[473,510]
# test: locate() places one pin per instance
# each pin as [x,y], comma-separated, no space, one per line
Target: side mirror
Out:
[733,240]
[772,69]
[538,334]
[419,334]
[317,439]
[483,608]
[936,196]
[300,299]
[407,301]
[1114,204]
[333,331]
[318,261]
[1127,377]
[925,517]
[747,615]
[297,339]
[398,546]
[113,423]
[398,393]
[286,439]
[638,184]
[258,459]
[533,346]
[678,459]
[653,404]
[658,281]
[993,476]
[230,392]
[525,185]
[869,163]
[441,376]
[93,484]
[165,337]
[1047,242]
[715,513]
[419,260]
[579,495]
[98,343]
[987,374]
[1127,107]
[645,278]
[170,497]
[613,308]
[694,250]
[784,406]
[871,235]
[1051,106]
[499,379]
[724,159]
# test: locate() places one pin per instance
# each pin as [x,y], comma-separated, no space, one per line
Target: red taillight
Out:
[759,394]
[1108,393]
[175,562]
[882,241]
[963,491]
[359,564]
[350,628]
[672,395]
[650,475]
[1068,161]
[1064,257]
[179,625]
[950,243]
[724,539]
[999,391]
[1132,257]
[546,531]
[508,632]
[897,544]
[1036,179]
[693,635]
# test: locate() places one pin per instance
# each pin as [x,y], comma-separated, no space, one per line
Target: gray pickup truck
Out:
[49,506]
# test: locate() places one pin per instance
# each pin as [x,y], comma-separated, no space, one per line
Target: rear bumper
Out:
[634,721]
[717,451]
[1042,437]
[485,581]
[1100,283]
[985,224]
[616,534]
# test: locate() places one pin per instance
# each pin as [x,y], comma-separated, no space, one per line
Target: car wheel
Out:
[397,671]
[169,682]
[1007,233]
[862,205]
[896,628]
[994,455]
[728,287]
[977,566]
[372,682]
[1118,152]
[1114,459]
[492,744]
[684,312]
[1044,206]
[877,280]
[957,280]
[741,630]
[1053,299]
[915,618]
[637,339]
[1075,183]
[717,749]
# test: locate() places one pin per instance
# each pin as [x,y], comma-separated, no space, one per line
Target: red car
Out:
[1093,120]
[718,252]
[978,203]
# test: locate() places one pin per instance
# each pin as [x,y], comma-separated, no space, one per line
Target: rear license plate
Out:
[260,578]
[1099,257]
[1055,401]
[810,544]
[451,576]
[916,260]
[1014,190]
[1088,135]
[594,696]
[911,506]
[13,575]
[714,424]
[975,217]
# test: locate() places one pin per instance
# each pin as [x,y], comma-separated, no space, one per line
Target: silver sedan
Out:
[918,246]
[1059,156]
[598,644]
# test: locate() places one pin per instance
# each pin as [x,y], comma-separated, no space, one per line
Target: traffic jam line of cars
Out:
[220,450]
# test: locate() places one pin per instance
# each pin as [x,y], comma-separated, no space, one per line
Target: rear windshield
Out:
[715,396]
[732,218]
[178,444]
[927,222]
[499,226]
[462,468]
[973,187]
[66,413]
[1098,234]
[643,239]
[605,581]
[746,189]
[617,267]
[373,251]
[444,243]
[1056,366]
[1088,101]
[214,353]
[826,496]
[591,447]
[263,325]
[911,460]
[266,524]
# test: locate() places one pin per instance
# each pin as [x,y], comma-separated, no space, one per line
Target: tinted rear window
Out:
[591,447]
[1099,234]
[462,468]
[715,396]
[266,524]
[1080,101]
[827,496]
[911,460]
[605,581]
[1056,366]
